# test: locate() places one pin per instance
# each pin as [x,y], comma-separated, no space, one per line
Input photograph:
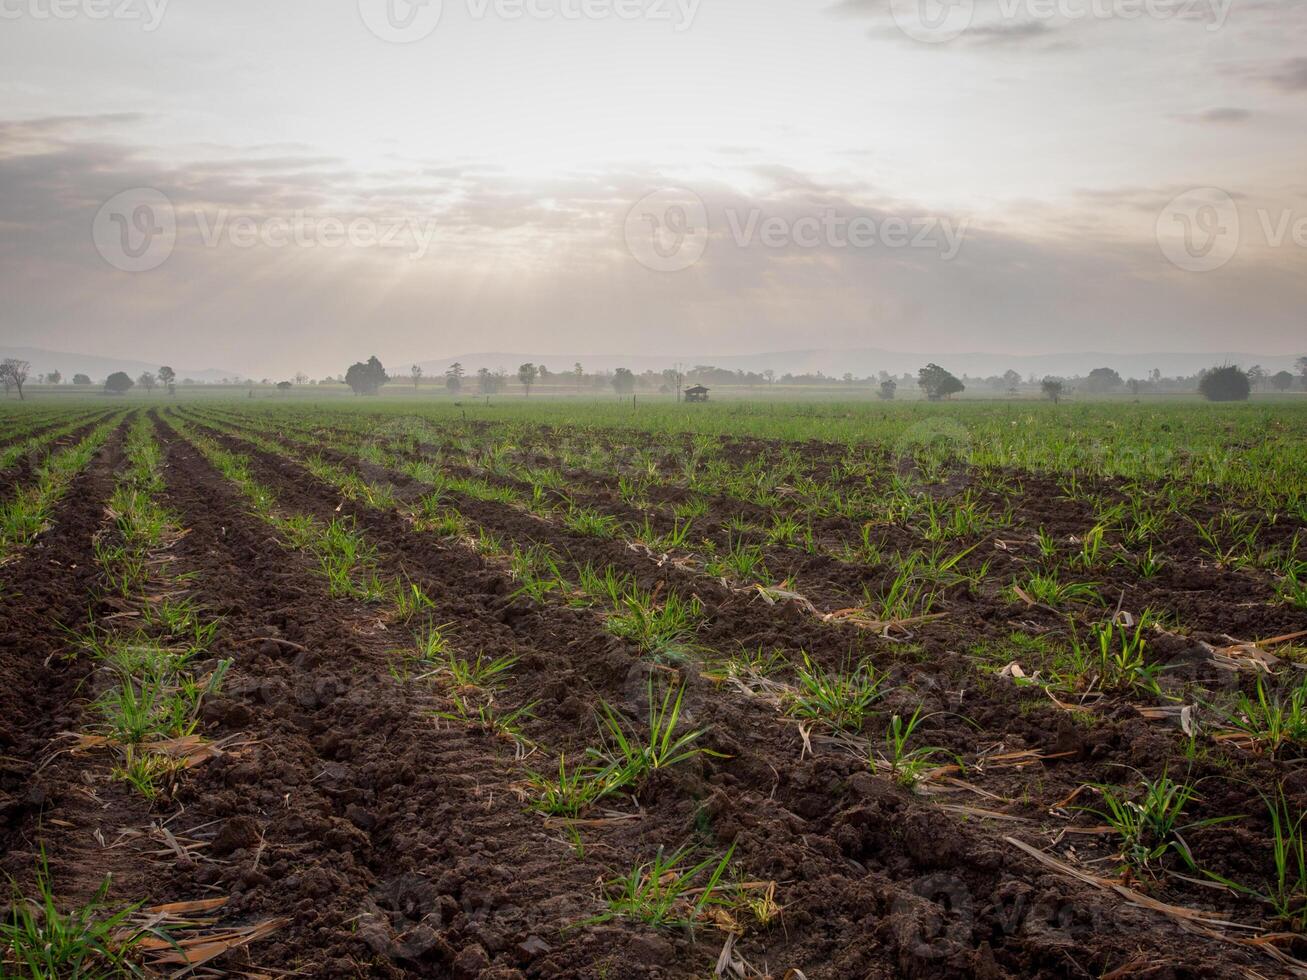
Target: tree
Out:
[284,387]
[1301,365]
[888,389]
[147,381]
[938,383]
[14,372]
[527,374]
[623,381]
[167,376]
[579,374]
[1052,389]
[488,381]
[1282,381]
[454,378]
[118,383]
[81,379]
[1225,384]
[1102,380]
[366,379]
[1256,375]
[1012,380]
[675,380]
[415,372]
[55,378]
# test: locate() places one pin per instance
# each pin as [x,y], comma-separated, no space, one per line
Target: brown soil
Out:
[394,843]
[875,880]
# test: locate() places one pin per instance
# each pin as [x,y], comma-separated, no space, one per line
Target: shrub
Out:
[1225,384]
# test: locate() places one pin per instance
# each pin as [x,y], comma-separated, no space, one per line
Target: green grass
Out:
[843,700]
[629,757]
[1272,719]
[668,891]
[1149,822]
[40,939]
[30,510]
[907,764]
[572,792]
[665,630]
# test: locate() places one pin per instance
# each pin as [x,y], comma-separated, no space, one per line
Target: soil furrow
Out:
[814,794]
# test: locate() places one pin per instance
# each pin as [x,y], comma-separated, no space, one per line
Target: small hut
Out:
[696,394]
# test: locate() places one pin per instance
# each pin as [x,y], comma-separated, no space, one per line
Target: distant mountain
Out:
[866,361]
[99,368]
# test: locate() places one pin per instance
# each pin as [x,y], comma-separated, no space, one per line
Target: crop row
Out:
[1120,542]
[1118,648]
[472,685]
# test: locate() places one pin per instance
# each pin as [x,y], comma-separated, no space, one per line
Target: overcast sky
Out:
[270,187]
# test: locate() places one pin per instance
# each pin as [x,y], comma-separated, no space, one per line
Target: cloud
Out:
[1010,32]
[1219,116]
[1290,75]
[540,264]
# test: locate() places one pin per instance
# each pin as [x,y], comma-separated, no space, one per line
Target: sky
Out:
[273,188]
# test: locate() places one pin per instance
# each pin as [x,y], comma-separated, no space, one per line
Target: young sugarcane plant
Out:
[843,700]
[631,757]
[906,765]
[1149,827]
[1271,720]
[667,893]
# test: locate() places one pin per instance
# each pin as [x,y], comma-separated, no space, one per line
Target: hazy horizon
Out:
[295,188]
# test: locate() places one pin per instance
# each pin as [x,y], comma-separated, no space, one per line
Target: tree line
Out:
[1221,383]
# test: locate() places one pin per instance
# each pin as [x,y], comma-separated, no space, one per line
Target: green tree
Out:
[938,383]
[1282,381]
[1103,380]
[147,381]
[454,378]
[527,374]
[118,383]
[366,379]
[1052,389]
[81,379]
[623,381]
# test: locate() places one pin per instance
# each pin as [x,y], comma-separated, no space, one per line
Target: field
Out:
[394,688]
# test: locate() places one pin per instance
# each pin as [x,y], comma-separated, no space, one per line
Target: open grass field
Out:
[556,689]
